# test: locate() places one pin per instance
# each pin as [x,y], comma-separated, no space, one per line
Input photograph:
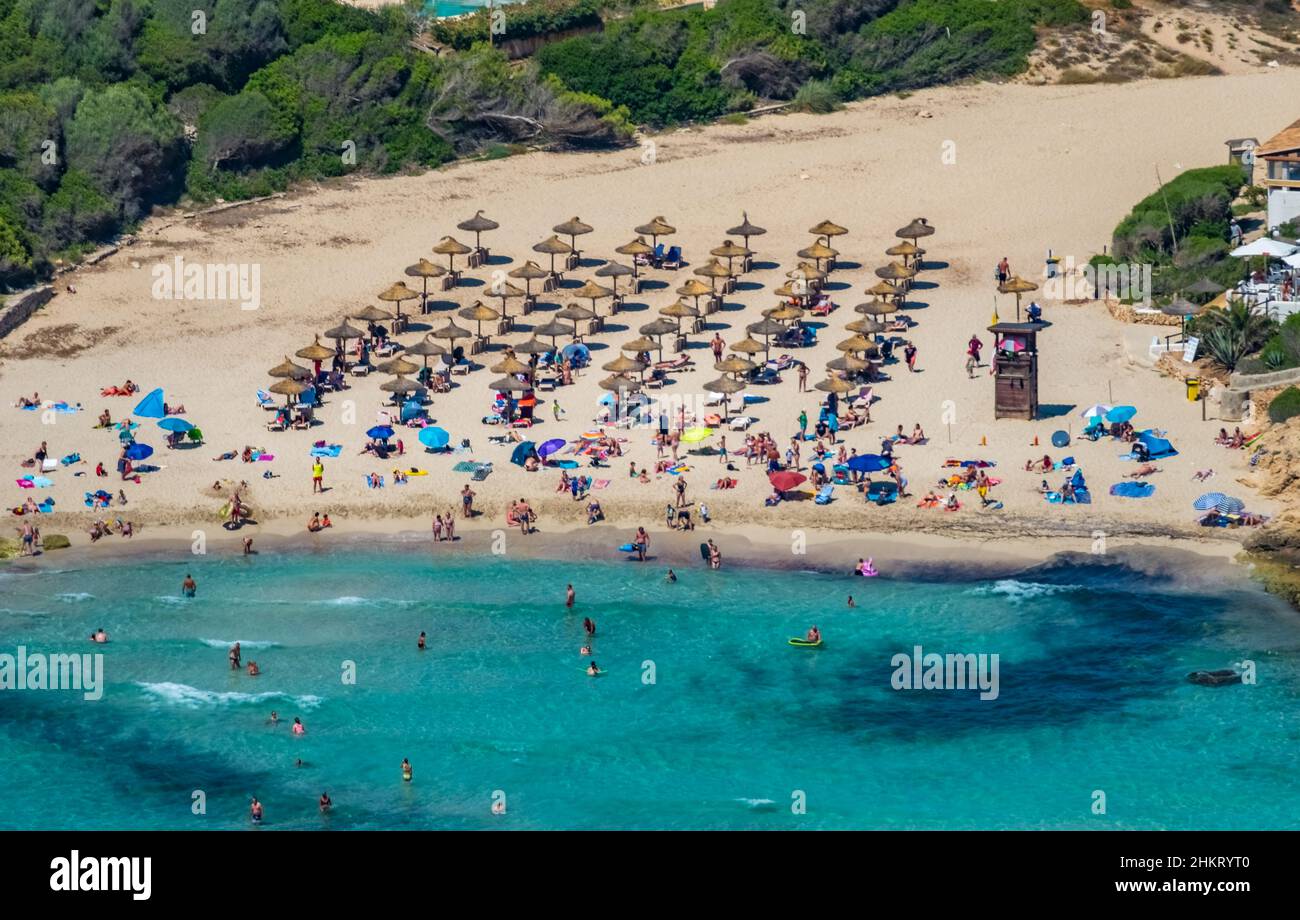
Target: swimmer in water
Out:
[325,802]
[814,635]
[671,577]
[298,727]
[419,643]
[585,650]
[300,763]
[234,657]
[592,669]
[99,636]
[253,669]
[852,602]
[589,625]
[189,587]
[569,596]
[407,772]
[255,811]
[275,718]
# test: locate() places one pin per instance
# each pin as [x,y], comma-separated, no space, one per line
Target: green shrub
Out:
[54,541]
[1285,405]
[1199,198]
[816,96]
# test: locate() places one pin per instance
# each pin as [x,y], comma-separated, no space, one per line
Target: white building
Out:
[1280,157]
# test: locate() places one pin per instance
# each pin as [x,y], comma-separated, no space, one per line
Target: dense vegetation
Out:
[1285,405]
[675,67]
[110,107]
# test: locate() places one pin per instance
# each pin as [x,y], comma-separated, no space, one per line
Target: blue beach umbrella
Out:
[151,406]
[382,432]
[868,463]
[521,452]
[1208,501]
[1229,505]
[434,438]
[139,451]
[1121,414]
[172,423]
[550,447]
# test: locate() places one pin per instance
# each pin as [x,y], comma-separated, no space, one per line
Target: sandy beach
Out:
[1027,169]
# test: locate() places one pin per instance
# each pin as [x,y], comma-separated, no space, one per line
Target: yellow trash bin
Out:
[1193,388]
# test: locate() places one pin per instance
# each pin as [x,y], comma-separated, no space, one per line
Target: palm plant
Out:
[1232,333]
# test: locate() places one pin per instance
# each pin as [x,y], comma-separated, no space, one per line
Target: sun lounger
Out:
[482,472]
[264,400]
[824,494]
[674,258]
[742,422]
[658,258]
[359,370]
[676,363]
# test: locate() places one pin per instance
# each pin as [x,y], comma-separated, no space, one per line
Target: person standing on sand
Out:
[722,450]
[715,556]
[909,354]
[717,345]
[803,377]
[317,476]
[467,501]
[642,543]
[973,348]
[803,424]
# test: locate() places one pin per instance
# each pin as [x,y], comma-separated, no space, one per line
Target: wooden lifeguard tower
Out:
[1015,369]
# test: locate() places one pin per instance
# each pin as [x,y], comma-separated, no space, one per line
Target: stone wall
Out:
[19,307]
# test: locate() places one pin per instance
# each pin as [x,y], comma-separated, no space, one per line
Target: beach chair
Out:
[547,384]
[864,396]
[657,260]
[359,370]
[481,472]
[674,258]
[765,376]
[742,422]
[264,400]
[460,368]
[824,495]
[679,362]
[277,424]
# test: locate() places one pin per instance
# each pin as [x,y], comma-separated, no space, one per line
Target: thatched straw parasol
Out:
[747,346]
[734,364]
[480,313]
[883,288]
[895,271]
[694,288]
[638,247]
[827,229]
[509,384]
[399,385]
[504,290]
[1183,308]
[656,228]
[289,388]
[451,332]
[424,270]
[315,351]
[615,270]
[876,307]
[724,385]
[713,270]
[817,252]
[451,247]
[398,365]
[765,327]
[511,365]
[371,314]
[834,385]
[553,329]
[344,331]
[856,343]
[287,369]
[529,272]
[573,228]
[620,382]
[865,326]
[905,249]
[533,346]
[678,311]
[477,225]
[553,246]
[575,313]
[848,363]
[1204,287]
[425,348]
[729,250]
[784,313]
[1017,285]
[918,228]
[624,365]
[745,229]
[636,346]
[658,328]
[593,292]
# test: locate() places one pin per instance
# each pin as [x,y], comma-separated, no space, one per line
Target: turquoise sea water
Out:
[443,8]
[736,724]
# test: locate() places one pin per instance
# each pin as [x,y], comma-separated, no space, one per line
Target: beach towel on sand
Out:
[329,450]
[1133,489]
[600,484]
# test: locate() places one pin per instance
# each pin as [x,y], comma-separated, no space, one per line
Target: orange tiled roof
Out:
[1286,139]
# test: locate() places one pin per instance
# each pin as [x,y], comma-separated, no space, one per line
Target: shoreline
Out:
[915,556]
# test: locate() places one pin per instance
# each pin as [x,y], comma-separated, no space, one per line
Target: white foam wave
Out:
[193,698]
[1016,590]
[244,643]
[74,597]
